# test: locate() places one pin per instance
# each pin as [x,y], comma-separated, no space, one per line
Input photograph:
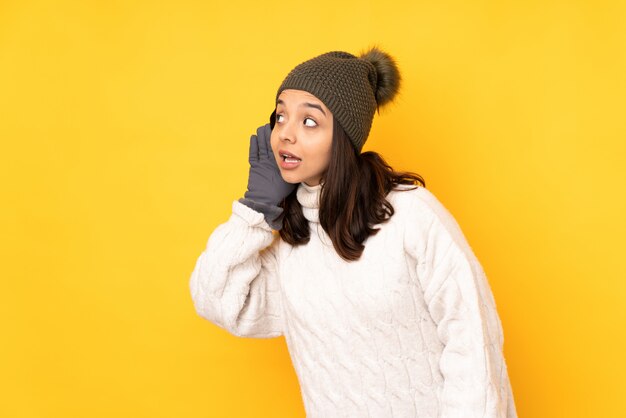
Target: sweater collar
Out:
[308,197]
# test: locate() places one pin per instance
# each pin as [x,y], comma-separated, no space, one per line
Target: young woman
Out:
[385,309]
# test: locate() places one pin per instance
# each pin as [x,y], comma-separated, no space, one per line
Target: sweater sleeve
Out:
[235,280]
[460,301]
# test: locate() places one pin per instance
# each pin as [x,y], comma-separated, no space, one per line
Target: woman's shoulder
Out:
[410,195]
[417,200]
[425,211]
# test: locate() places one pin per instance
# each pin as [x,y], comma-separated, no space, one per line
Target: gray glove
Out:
[266,187]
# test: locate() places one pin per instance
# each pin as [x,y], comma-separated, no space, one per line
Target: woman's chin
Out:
[289,177]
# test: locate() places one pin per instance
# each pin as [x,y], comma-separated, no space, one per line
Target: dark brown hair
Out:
[352,198]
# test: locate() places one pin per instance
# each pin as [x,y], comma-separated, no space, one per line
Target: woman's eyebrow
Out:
[316,106]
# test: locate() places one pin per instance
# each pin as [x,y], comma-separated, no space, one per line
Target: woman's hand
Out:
[266,187]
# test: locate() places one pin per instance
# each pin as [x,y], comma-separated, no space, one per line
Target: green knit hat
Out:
[352,87]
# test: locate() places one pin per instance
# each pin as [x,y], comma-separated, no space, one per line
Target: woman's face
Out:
[303,128]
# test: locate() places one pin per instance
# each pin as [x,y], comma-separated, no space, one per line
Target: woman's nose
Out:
[286,132]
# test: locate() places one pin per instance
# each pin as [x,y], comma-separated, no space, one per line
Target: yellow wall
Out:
[125,130]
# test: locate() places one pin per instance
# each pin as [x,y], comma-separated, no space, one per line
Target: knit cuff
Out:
[272,213]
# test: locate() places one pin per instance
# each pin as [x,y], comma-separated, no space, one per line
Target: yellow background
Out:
[125,130]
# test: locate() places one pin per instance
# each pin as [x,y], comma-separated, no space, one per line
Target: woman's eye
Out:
[278,116]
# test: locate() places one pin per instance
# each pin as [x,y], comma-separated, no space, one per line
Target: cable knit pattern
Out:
[409,330]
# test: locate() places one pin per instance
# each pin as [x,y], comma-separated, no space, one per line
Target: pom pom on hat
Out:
[387,74]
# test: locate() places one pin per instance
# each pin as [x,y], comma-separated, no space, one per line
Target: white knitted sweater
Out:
[409,330]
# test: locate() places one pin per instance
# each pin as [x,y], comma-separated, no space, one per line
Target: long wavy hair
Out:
[352,198]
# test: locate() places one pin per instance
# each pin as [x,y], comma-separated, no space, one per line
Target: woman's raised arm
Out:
[235,280]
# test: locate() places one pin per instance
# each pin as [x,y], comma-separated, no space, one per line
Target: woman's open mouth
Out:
[288,162]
